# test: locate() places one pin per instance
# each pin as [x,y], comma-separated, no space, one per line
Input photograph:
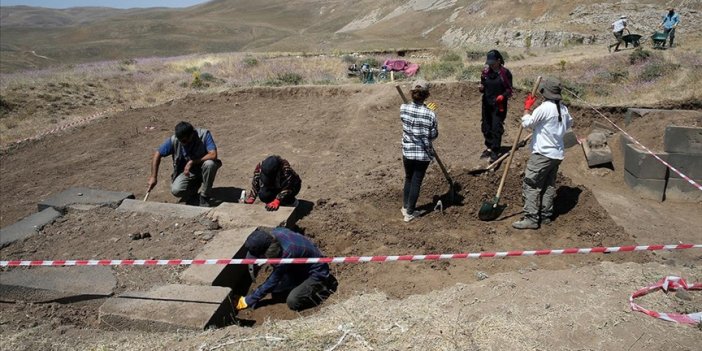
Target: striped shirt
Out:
[419,129]
[287,181]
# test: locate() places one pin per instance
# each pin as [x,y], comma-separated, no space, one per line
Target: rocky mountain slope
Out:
[35,38]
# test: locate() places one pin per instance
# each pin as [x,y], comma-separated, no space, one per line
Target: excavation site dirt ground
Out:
[344,141]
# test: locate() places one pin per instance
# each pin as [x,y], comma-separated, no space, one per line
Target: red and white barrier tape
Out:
[77,122]
[683,176]
[668,283]
[348,259]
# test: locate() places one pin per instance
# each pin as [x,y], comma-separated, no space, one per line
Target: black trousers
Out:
[267,195]
[307,294]
[414,175]
[492,126]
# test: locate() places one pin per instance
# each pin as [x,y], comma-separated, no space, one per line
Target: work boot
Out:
[494,156]
[411,216]
[546,221]
[404,211]
[486,153]
[204,201]
[526,223]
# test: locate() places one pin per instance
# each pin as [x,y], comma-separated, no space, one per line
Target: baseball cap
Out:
[269,168]
[257,243]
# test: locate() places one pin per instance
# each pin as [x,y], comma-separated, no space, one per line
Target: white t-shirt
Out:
[548,132]
[619,25]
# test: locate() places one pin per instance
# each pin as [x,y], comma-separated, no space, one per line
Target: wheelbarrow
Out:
[658,39]
[633,39]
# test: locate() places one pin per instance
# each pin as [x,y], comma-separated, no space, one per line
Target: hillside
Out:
[38,38]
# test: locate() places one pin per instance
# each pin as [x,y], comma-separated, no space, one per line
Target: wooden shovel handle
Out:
[514,145]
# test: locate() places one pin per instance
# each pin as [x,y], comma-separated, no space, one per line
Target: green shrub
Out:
[652,72]
[371,61]
[290,78]
[441,69]
[208,77]
[198,82]
[192,69]
[475,55]
[639,55]
[129,61]
[250,61]
[470,73]
[617,76]
[348,59]
[451,57]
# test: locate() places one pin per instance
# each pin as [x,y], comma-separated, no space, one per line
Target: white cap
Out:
[622,16]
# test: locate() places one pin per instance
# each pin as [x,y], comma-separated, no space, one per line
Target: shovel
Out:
[451,192]
[490,210]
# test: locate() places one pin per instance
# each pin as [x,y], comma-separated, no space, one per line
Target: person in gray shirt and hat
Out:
[549,122]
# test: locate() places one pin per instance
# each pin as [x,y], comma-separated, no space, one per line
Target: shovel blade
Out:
[490,210]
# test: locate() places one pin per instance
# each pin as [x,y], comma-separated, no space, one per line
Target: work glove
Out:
[249,200]
[432,106]
[273,205]
[241,304]
[529,102]
[500,103]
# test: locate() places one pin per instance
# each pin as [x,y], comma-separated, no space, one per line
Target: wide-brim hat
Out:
[551,89]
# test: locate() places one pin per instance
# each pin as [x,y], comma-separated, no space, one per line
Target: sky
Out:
[120,4]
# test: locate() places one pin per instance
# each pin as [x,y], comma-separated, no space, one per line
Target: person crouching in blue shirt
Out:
[195,163]
[301,285]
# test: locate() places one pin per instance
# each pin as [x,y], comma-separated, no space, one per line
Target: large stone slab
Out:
[686,140]
[690,165]
[168,308]
[647,188]
[598,156]
[61,284]
[680,190]
[84,198]
[162,209]
[230,215]
[27,226]
[226,244]
[641,164]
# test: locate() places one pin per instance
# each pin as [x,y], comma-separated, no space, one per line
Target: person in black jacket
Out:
[496,86]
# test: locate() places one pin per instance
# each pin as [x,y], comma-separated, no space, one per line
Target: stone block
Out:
[162,209]
[168,308]
[596,140]
[690,165]
[596,157]
[680,190]
[225,245]
[643,165]
[60,284]
[233,215]
[27,226]
[84,198]
[605,128]
[685,140]
[570,139]
[647,188]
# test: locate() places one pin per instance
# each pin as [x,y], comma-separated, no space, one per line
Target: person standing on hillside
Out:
[496,86]
[419,130]
[618,28]
[195,163]
[301,285]
[275,183]
[670,21]
[549,122]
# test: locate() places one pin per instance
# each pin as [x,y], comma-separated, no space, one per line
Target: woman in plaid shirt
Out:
[419,129]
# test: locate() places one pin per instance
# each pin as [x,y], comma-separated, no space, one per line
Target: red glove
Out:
[500,103]
[529,102]
[249,200]
[273,205]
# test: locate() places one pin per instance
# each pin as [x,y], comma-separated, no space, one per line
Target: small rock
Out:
[145,235]
[207,236]
[135,236]
[683,295]
[481,275]
[198,232]
[114,240]
[548,305]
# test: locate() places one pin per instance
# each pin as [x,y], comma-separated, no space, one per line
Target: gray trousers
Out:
[539,187]
[202,177]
